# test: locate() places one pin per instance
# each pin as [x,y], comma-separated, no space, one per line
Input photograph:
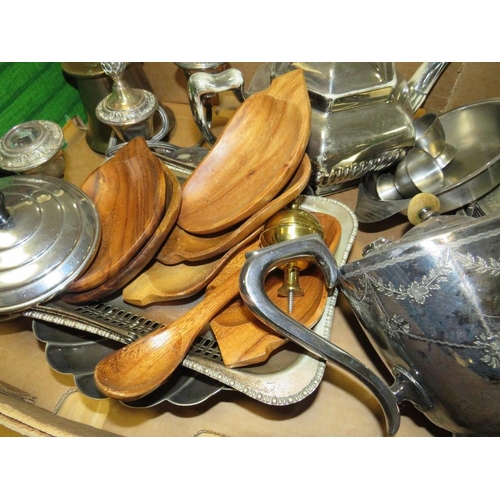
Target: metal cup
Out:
[417,173]
[429,134]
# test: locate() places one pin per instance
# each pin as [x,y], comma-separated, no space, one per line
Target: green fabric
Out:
[36,91]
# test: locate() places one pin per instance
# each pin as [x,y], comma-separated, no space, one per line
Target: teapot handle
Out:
[252,290]
[200,85]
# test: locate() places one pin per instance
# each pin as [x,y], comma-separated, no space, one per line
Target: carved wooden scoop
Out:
[139,368]
[255,156]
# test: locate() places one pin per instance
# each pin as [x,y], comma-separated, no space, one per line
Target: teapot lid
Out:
[344,84]
[428,223]
[49,233]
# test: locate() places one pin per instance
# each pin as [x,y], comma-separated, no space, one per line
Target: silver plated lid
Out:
[339,85]
[125,105]
[29,145]
[49,233]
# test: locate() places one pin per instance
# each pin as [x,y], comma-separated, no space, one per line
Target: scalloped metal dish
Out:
[288,376]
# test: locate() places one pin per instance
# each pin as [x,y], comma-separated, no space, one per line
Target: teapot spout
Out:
[422,81]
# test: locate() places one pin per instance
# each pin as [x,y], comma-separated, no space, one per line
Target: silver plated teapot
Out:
[361,113]
[430,305]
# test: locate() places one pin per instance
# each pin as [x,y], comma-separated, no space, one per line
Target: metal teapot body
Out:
[361,113]
[431,308]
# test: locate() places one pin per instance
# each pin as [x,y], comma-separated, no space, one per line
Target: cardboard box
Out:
[36,400]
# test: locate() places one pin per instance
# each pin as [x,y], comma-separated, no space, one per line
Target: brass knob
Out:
[286,225]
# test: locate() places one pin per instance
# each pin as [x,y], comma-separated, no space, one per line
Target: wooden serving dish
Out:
[243,339]
[146,254]
[161,283]
[182,246]
[129,192]
[258,151]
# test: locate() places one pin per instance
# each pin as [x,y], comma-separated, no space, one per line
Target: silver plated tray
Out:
[288,376]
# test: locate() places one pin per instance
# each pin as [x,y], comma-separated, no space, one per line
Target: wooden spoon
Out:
[139,368]
[242,338]
[181,245]
[161,283]
[129,194]
[256,154]
[147,252]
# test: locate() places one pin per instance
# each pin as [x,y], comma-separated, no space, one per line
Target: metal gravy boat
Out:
[430,305]
[361,113]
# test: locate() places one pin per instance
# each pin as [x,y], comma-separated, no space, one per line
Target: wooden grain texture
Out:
[146,254]
[182,246]
[161,283]
[129,193]
[242,338]
[139,368]
[252,160]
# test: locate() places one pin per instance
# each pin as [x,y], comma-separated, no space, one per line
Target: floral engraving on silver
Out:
[431,305]
[419,290]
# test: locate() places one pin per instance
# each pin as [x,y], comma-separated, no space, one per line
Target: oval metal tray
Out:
[288,376]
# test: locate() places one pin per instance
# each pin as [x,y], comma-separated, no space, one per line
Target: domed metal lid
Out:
[29,145]
[49,233]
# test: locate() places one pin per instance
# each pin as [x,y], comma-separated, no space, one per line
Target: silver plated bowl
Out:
[474,130]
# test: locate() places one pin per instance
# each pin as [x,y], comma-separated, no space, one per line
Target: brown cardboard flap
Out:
[29,420]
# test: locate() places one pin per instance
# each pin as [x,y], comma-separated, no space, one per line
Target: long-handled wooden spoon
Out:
[139,368]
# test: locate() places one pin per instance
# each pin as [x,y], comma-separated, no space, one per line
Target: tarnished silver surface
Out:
[474,130]
[430,306]
[33,147]
[49,233]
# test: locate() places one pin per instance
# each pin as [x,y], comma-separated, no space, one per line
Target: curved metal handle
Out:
[165,124]
[203,84]
[252,291]
[422,81]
